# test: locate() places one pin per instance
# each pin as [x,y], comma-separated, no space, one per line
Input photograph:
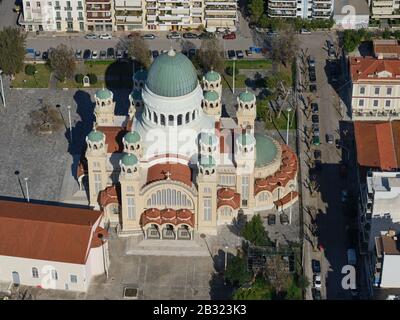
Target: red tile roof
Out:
[167,215]
[46,232]
[177,171]
[377,145]
[367,69]
[286,199]
[228,197]
[109,195]
[114,137]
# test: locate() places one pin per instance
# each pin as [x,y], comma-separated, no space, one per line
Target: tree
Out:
[12,50]
[79,78]
[256,8]
[92,78]
[293,292]
[139,51]
[255,232]
[62,61]
[236,271]
[285,46]
[30,69]
[211,55]
[45,120]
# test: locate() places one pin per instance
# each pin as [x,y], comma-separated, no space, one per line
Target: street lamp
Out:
[287,127]
[233,77]
[2,88]
[27,189]
[70,124]
[226,255]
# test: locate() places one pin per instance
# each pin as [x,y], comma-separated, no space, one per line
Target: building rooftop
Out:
[372,69]
[361,7]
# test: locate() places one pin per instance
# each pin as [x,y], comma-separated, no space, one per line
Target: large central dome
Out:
[172,75]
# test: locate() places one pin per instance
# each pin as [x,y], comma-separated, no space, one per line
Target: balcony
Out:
[69,19]
[98,8]
[79,8]
[58,18]
[68,8]
[80,18]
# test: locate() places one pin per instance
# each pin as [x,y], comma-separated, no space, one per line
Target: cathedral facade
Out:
[174,165]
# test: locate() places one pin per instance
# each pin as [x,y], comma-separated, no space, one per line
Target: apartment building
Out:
[129,15]
[375,89]
[311,9]
[220,13]
[100,15]
[58,15]
[385,9]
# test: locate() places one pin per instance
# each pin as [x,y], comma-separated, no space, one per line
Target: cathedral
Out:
[174,166]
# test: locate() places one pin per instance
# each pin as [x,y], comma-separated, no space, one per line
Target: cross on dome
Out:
[171,52]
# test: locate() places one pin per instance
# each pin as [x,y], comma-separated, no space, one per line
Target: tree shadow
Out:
[119,74]
[219,289]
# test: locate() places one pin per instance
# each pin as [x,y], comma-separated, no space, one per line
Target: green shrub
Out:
[92,78]
[30,69]
[229,71]
[79,78]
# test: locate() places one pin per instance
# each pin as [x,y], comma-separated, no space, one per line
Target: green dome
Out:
[212,76]
[207,161]
[95,136]
[247,96]
[246,139]
[211,96]
[129,159]
[132,137]
[172,75]
[209,138]
[103,94]
[136,94]
[140,75]
[266,150]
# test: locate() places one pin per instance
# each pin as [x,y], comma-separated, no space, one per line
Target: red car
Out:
[229,36]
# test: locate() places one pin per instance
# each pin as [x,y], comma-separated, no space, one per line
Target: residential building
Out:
[50,246]
[375,88]
[386,49]
[351,14]
[173,166]
[100,15]
[387,260]
[220,14]
[318,9]
[385,9]
[60,15]
[129,15]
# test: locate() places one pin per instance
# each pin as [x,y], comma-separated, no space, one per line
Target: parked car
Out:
[229,36]
[239,54]
[316,131]
[103,54]
[313,87]
[344,196]
[316,266]
[155,54]
[91,36]
[311,61]
[329,138]
[248,53]
[272,34]
[317,281]
[87,54]
[148,36]
[45,55]
[95,54]
[174,35]
[284,218]
[231,54]
[190,35]
[314,107]
[119,54]
[271,219]
[305,31]
[38,54]
[317,154]
[332,53]
[316,141]
[329,44]
[78,54]
[105,36]
[312,77]
[110,53]
[315,118]
[206,35]
[317,294]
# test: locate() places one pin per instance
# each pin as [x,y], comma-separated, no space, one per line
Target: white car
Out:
[317,281]
[105,36]
[95,54]
[174,35]
[305,31]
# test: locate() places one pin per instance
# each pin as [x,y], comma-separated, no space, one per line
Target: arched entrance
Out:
[184,232]
[153,232]
[168,232]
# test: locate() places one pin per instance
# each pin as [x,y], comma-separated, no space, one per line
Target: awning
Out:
[211,29]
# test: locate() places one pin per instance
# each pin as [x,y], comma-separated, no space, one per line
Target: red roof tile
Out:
[177,171]
[367,69]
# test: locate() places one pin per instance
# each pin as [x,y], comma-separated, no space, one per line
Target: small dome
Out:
[212,76]
[132,137]
[246,139]
[140,75]
[129,160]
[172,75]
[136,94]
[211,95]
[95,136]
[207,161]
[208,138]
[247,96]
[104,94]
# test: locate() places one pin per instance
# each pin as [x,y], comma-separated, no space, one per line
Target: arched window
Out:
[178,196]
[184,200]
[187,117]
[35,272]
[158,197]
[150,114]
[263,197]
[170,120]
[169,197]
[163,196]
[153,199]
[179,119]
[226,211]
[194,114]
[162,120]
[155,118]
[174,197]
